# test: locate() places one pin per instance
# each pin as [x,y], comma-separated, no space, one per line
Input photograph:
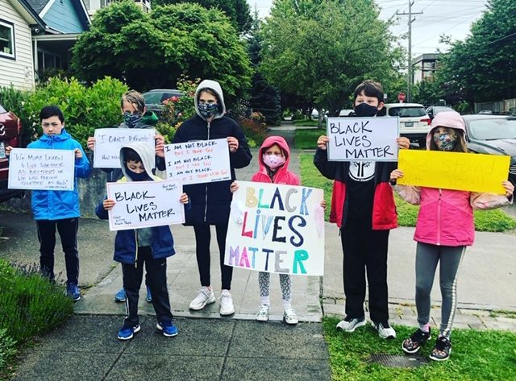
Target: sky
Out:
[451,17]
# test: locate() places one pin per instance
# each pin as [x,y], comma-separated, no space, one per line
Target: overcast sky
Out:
[451,17]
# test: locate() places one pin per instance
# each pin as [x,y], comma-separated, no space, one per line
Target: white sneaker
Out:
[290,316]
[204,297]
[350,324]
[226,303]
[384,330]
[263,314]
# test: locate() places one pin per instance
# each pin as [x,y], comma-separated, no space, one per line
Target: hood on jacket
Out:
[148,119]
[268,142]
[450,119]
[144,151]
[56,137]
[214,86]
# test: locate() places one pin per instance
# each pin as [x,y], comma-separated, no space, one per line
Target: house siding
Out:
[63,17]
[20,71]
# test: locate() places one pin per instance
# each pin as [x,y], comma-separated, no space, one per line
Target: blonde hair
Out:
[134,98]
[460,147]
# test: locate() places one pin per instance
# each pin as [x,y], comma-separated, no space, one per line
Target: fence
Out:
[507,105]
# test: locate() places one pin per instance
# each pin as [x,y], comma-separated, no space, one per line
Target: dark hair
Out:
[51,111]
[130,155]
[370,89]
[460,147]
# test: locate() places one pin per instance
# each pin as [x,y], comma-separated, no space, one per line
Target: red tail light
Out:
[427,120]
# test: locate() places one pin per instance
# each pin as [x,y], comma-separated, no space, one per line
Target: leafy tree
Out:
[237,10]
[154,50]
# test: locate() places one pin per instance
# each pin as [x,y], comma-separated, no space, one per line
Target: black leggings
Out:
[202,250]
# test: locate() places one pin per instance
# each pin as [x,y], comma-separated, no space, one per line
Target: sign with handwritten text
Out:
[109,141]
[454,171]
[198,162]
[276,228]
[145,204]
[41,169]
[363,139]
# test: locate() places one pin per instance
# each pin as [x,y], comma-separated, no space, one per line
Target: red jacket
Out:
[282,175]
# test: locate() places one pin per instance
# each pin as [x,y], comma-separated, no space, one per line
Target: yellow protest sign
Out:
[454,171]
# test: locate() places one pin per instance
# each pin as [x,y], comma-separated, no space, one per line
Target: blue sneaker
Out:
[73,291]
[126,333]
[149,295]
[120,295]
[167,328]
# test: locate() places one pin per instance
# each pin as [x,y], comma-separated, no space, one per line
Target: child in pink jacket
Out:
[444,228]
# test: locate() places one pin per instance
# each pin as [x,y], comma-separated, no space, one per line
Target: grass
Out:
[476,355]
[307,139]
[306,122]
[487,221]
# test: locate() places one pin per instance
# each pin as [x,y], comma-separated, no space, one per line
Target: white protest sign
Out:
[276,228]
[109,141]
[363,139]
[145,204]
[41,169]
[198,162]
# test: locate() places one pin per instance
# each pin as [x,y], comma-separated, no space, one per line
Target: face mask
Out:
[365,110]
[208,110]
[446,141]
[273,161]
[135,177]
[131,119]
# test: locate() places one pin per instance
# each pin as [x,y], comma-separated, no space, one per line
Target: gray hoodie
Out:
[215,86]
[145,153]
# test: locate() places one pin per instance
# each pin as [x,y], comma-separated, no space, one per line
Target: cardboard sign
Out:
[363,139]
[276,228]
[109,141]
[198,162]
[145,204]
[454,171]
[41,169]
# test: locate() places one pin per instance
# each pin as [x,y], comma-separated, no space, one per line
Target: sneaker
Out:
[73,291]
[204,297]
[120,295]
[167,328]
[149,295]
[441,350]
[263,314]
[127,332]
[290,316]
[412,344]
[350,324]
[226,303]
[384,330]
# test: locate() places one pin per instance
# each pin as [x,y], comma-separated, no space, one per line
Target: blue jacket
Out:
[56,205]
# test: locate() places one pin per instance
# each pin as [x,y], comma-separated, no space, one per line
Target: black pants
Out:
[67,229]
[202,250]
[365,249]
[156,281]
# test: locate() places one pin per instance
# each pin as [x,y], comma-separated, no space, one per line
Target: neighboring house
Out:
[424,66]
[37,35]
[94,5]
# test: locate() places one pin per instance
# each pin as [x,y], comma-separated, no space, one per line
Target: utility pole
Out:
[409,66]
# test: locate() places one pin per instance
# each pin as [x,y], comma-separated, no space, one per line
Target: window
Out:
[6,39]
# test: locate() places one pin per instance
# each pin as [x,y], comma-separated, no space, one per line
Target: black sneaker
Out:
[441,350]
[412,344]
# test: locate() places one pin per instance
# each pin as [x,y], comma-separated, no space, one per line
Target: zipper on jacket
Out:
[439,218]
[137,248]
[206,190]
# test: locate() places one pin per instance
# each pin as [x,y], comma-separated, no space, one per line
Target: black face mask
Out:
[365,110]
[136,177]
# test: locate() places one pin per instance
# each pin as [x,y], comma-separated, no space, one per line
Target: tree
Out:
[237,10]
[320,50]
[154,50]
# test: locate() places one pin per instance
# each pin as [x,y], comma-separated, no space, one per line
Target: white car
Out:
[414,121]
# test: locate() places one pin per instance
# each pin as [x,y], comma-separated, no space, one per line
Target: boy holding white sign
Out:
[149,246]
[363,208]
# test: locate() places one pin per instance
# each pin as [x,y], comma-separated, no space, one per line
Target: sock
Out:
[286,304]
[425,328]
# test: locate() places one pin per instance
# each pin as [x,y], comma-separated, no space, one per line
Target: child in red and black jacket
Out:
[363,207]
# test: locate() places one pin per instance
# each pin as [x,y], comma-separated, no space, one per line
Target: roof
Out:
[38,5]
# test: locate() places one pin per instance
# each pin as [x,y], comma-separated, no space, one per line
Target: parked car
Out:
[492,134]
[154,98]
[414,122]
[432,111]
[10,135]
[345,112]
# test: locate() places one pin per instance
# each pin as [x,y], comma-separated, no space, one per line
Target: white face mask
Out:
[273,161]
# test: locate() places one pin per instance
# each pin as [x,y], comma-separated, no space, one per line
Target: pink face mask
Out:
[273,161]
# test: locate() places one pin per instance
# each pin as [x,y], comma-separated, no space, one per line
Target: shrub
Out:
[14,100]
[7,350]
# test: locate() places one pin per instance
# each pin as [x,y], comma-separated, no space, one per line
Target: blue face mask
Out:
[131,119]
[135,177]
[208,110]
[365,110]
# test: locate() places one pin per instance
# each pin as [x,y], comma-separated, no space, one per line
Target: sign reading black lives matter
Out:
[363,139]
[145,204]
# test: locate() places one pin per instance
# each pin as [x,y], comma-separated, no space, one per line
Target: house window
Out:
[6,39]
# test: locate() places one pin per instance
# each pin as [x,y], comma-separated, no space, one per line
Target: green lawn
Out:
[476,355]
[307,139]
[491,221]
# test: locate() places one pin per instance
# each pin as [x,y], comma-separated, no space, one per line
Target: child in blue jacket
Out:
[149,246]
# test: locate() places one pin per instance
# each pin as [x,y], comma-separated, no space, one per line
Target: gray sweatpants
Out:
[427,257]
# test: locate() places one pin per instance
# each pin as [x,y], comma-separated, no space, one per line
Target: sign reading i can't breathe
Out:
[363,139]
[276,228]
